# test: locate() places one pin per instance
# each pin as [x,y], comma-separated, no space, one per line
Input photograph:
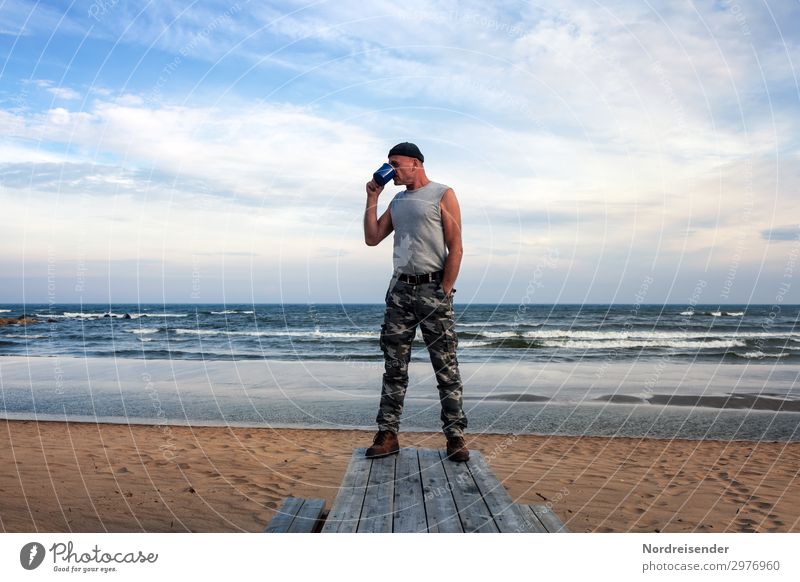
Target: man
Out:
[426,220]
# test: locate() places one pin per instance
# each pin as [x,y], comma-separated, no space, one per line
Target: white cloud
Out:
[611,132]
[64,93]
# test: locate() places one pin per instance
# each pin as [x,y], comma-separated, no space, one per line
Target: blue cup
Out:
[383,175]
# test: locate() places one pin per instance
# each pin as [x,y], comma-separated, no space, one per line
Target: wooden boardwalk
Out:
[419,490]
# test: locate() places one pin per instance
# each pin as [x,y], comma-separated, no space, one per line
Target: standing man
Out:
[426,221]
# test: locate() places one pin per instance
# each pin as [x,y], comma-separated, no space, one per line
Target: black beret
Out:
[407,149]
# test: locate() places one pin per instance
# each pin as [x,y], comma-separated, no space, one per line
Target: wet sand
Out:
[86,477]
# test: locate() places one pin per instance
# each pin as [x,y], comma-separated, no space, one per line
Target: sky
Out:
[217,152]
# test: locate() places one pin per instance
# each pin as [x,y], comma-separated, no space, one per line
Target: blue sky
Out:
[217,151]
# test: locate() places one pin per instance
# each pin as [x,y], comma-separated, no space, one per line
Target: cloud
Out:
[652,133]
[783,233]
[64,93]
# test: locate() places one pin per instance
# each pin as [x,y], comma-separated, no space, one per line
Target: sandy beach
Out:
[86,477]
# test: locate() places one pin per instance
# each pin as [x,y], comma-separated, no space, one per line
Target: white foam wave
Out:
[496,324]
[700,345]
[144,330]
[226,312]
[473,343]
[165,315]
[758,355]
[641,335]
[281,333]
[83,315]
[718,313]
[5,311]
[22,335]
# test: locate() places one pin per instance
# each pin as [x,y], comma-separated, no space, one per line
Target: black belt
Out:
[421,279]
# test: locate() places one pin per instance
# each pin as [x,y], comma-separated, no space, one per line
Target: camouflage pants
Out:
[406,307]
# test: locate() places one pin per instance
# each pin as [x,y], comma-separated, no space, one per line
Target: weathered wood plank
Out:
[283,518]
[376,515]
[506,514]
[472,510]
[534,525]
[549,519]
[346,510]
[307,516]
[409,502]
[440,508]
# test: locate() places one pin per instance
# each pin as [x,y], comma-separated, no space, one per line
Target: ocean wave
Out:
[475,344]
[24,336]
[714,313]
[702,345]
[316,334]
[759,355]
[145,330]
[721,313]
[5,311]
[165,315]
[639,335]
[102,315]
[496,324]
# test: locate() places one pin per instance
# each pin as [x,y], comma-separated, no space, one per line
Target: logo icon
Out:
[31,555]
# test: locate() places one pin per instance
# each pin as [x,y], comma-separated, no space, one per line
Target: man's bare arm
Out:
[451,221]
[375,229]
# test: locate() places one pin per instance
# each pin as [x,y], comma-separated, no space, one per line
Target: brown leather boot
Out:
[384,444]
[457,449]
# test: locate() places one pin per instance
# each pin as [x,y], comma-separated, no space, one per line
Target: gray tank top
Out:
[418,232]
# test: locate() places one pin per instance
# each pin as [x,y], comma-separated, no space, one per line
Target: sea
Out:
[727,372]
[486,333]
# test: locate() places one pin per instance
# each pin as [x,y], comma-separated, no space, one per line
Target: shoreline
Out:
[90,477]
[569,400]
[371,430]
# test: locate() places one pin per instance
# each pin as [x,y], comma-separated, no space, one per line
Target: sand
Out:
[84,477]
